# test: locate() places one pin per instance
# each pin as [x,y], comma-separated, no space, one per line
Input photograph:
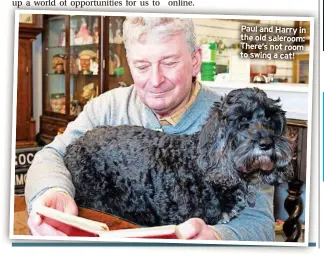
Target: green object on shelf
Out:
[208,71]
[207,78]
[209,52]
[119,71]
[57,95]
[208,65]
[208,74]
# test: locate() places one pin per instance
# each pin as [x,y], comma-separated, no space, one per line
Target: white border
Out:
[176,241]
[309,128]
[321,131]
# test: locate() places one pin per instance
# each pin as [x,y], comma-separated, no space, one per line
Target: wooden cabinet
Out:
[30,24]
[83,56]
[72,69]
[25,127]
[301,69]
[29,27]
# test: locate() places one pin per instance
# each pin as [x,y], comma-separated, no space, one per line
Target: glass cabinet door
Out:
[84,61]
[118,74]
[56,66]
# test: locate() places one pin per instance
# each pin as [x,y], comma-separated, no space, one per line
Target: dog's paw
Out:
[225,218]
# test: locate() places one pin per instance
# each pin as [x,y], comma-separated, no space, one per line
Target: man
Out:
[164,62]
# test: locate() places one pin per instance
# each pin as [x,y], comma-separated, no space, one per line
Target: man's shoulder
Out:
[119,92]
[208,91]
[115,107]
[208,95]
[117,97]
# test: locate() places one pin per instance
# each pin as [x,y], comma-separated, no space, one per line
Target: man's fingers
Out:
[189,229]
[39,228]
[33,230]
[55,199]
[46,230]
[195,229]
[34,219]
[71,208]
[206,233]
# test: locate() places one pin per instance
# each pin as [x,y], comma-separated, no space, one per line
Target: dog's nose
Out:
[265,144]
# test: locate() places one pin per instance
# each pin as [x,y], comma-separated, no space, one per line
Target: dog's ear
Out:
[282,122]
[212,139]
[278,116]
[223,98]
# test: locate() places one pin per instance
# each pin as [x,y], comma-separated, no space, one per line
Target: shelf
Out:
[74,46]
[50,74]
[284,87]
[84,45]
[55,47]
[295,98]
[115,44]
[76,75]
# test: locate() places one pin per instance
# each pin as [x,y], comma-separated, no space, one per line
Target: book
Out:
[73,225]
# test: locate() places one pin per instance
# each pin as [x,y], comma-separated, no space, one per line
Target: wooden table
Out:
[20,218]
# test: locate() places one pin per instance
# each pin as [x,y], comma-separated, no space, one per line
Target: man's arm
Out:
[252,224]
[115,107]
[47,169]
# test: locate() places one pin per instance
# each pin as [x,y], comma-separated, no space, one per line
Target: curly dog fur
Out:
[153,178]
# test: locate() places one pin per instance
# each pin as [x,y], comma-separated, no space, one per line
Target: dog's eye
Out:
[243,119]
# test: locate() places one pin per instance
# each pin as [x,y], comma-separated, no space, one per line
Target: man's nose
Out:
[157,76]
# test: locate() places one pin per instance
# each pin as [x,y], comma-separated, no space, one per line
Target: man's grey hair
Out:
[161,28]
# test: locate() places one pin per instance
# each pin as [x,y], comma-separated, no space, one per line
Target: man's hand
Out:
[56,199]
[196,229]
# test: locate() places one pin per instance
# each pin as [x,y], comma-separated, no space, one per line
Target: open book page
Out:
[70,224]
[78,226]
[163,232]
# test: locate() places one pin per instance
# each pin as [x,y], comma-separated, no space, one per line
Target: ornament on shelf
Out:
[221,46]
[83,36]
[118,39]
[58,63]
[111,34]
[114,62]
[75,108]
[90,91]
[87,62]
[61,41]
[57,102]
[73,29]
[95,31]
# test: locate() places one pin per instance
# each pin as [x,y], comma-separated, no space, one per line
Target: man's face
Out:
[162,72]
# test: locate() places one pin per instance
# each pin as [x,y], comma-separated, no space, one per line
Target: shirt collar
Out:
[175,117]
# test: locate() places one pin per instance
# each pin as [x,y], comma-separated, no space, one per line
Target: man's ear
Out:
[196,61]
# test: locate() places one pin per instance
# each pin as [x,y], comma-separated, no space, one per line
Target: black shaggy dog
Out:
[153,178]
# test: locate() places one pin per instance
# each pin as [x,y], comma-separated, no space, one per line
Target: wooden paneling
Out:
[25,124]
